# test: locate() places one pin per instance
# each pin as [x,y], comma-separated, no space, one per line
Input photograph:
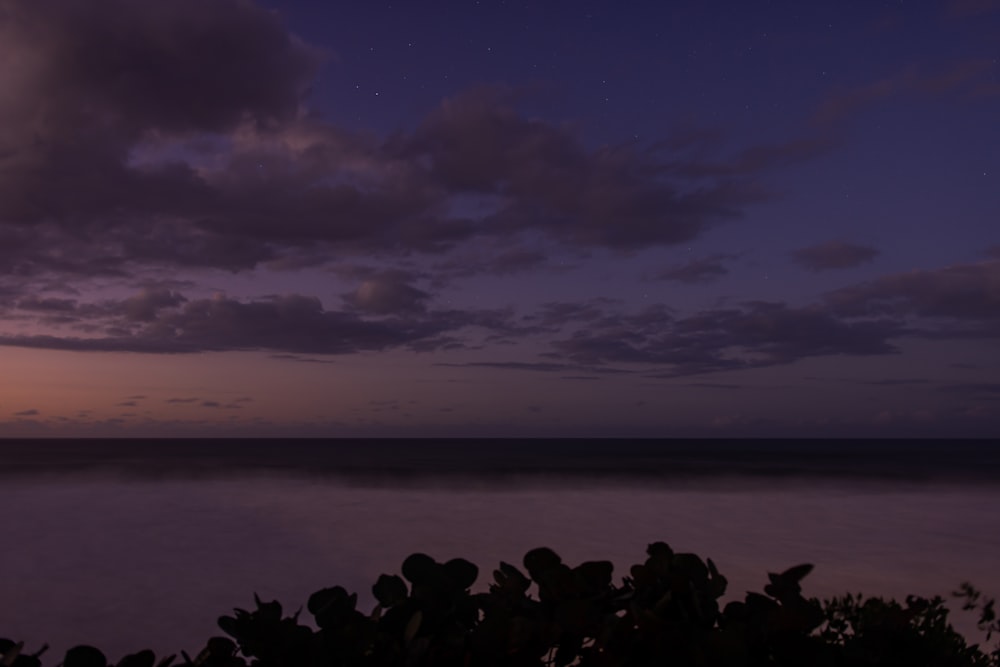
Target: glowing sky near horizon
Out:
[232,217]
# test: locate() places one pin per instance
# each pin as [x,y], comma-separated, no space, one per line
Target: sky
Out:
[683,219]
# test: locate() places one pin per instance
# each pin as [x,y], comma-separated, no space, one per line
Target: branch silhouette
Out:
[666,611]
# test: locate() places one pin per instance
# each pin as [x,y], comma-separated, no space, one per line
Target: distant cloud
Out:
[27,413]
[701,270]
[301,359]
[289,324]
[233,405]
[756,335]
[555,315]
[127,404]
[537,366]
[895,382]
[963,299]
[592,337]
[386,294]
[513,261]
[147,304]
[834,255]
[47,305]
[970,74]
[471,262]
[984,391]
[970,8]
[544,367]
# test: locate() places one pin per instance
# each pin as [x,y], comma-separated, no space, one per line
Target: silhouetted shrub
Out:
[665,612]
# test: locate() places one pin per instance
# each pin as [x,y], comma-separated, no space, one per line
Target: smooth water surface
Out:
[125,563]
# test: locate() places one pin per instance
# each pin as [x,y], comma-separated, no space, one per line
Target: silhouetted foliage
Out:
[665,612]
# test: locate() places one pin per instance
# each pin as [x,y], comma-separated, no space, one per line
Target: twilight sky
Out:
[230,217]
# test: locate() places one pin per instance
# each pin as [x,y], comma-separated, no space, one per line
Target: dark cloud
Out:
[863,320]
[895,382]
[555,315]
[27,413]
[968,294]
[834,255]
[290,324]
[386,294]
[756,335]
[983,391]
[152,134]
[544,367]
[47,305]
[536,366]
[182,400]
[587,338]
[466,263]
[888,382]
[702,270]
[145,306]
[539,177]
[180,66]
[88,88]
[301,359]
[516,260]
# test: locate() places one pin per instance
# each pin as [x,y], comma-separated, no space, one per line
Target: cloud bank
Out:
[178,135]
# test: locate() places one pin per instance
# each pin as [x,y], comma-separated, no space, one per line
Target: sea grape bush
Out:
[548,614]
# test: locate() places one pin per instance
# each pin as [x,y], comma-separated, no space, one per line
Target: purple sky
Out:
[225,217]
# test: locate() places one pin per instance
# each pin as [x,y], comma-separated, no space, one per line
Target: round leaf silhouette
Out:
[461,572]
[389,590]
[144,658]
[84,656]
[419,568]
[537,561]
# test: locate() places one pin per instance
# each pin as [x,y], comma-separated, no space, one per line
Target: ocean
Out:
[129,544]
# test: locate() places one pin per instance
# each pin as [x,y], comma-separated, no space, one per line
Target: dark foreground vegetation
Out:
[665,612]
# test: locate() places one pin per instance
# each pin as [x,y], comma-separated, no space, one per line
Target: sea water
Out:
[148,548]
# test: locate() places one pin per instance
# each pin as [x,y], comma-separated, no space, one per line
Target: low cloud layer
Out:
[755,335]
[384,313]
[586,337]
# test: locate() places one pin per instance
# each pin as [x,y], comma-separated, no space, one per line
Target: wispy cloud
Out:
[701,270]
[834,255]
